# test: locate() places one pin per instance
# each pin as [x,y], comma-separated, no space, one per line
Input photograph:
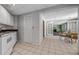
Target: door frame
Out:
[49,22]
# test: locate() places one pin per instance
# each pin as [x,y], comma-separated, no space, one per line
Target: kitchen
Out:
[8,32]
[25,26]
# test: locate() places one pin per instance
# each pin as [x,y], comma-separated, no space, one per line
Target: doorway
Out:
[49,28]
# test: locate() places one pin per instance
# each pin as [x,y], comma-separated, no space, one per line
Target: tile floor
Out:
[47,47]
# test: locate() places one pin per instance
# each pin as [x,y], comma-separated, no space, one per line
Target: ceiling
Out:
[62,12]
[48,11]
[20,9]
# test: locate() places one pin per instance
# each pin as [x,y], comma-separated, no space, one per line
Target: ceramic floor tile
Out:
[15,53]
[26,53]
[36,53]
[51,53]
[48,46]
[51,50]
[18,50]
[44,53]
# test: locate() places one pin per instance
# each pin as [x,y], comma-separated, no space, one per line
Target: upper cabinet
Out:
[6,17]
[10,20]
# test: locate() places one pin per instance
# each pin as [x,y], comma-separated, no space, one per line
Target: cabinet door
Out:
[0,46]
[28,29]
[4,45]
[14,38]
[1,15]
[35,29]
[10,20]
[5,17]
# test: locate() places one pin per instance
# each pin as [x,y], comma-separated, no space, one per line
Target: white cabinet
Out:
[4,46]
[2,15]
[14,38]
[6,17]
[29,28]
[10,20]
[7,42]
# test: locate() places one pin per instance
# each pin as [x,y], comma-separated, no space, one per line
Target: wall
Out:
[45,29]
[16,22]
[78,31]
[6,17]
[21,28]
[40,28]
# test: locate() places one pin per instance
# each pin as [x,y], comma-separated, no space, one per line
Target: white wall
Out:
[45,29]
[40,28]
[16,22]
[21,28]
[6,17]
[78,30]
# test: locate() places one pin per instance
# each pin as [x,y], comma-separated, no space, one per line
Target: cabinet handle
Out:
[32,27]
[9,39]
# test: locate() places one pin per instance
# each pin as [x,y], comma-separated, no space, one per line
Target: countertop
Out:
[2,32]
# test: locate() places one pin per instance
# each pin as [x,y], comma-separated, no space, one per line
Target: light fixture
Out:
[13,4]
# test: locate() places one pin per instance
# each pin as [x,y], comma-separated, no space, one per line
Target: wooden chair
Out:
[73,36]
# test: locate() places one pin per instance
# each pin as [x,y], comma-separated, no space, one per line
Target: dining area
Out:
[71,37]
[67,31]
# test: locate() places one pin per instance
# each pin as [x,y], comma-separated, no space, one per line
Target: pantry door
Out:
[28,29]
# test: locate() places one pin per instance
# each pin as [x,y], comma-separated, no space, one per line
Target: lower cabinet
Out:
[7,42]
[14,38]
